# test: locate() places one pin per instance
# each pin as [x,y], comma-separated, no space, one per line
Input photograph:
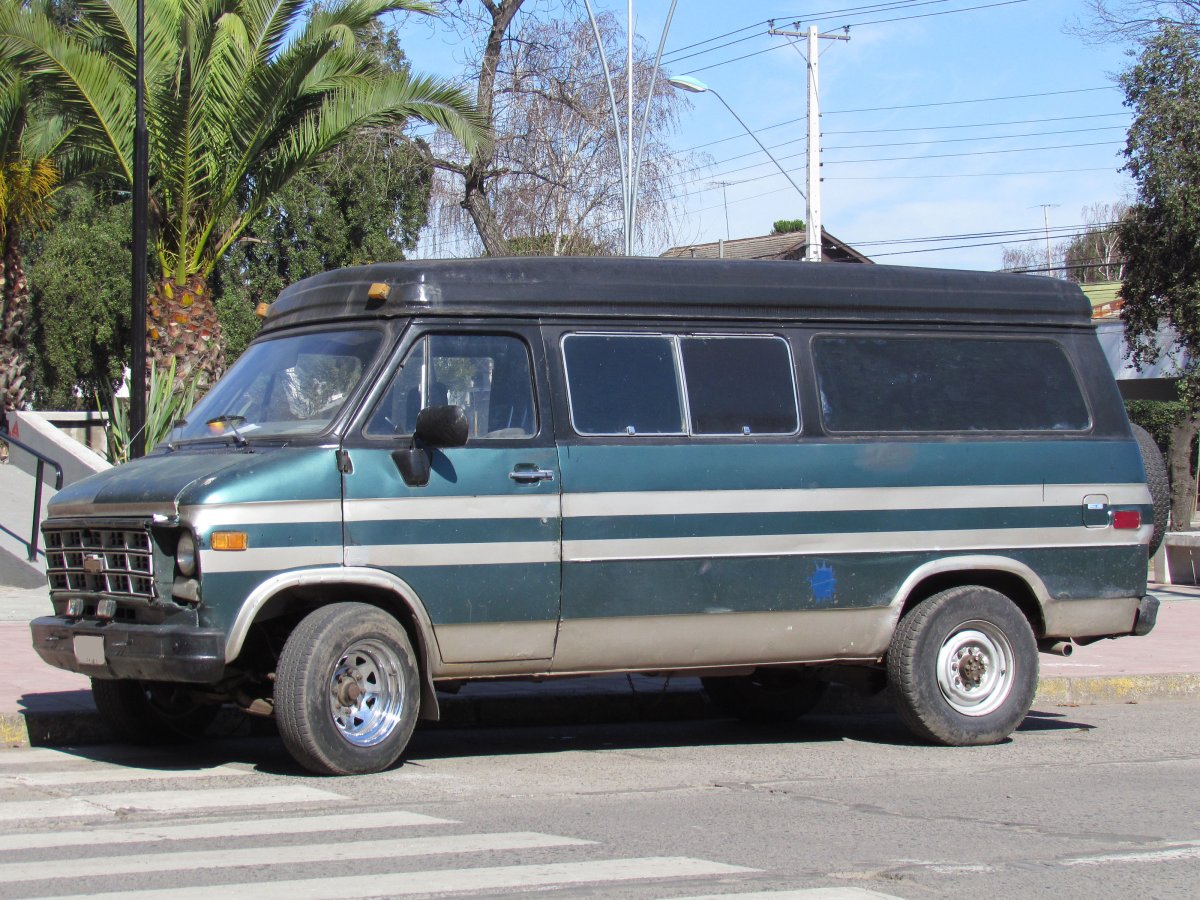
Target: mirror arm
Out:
[414,463]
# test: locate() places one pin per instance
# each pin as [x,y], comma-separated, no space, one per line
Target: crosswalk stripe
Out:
[106,773]
[150,833]
[400,884]
[342,851]
[160,801]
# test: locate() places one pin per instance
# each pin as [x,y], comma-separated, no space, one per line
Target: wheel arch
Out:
[1014,579]
[308,589]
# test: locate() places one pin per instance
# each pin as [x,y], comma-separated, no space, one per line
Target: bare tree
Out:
[1091,255]
[1124,20]
[550,181]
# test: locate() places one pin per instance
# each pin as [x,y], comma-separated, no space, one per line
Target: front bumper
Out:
[142,652]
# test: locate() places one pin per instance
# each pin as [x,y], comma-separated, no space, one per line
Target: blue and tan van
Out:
[770,475]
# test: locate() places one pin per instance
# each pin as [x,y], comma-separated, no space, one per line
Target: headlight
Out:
[185,554]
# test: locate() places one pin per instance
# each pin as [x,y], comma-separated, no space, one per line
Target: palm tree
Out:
[28,179]
[241,97]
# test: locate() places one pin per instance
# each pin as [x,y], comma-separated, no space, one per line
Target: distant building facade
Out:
[771,246]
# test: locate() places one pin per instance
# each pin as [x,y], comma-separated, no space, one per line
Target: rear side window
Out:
[740,385]
[623,384]
[946,384]
[669,384]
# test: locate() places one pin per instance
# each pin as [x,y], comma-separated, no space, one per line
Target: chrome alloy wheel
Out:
[366,693]
[974,668]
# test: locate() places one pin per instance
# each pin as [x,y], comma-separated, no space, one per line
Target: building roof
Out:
[770,246]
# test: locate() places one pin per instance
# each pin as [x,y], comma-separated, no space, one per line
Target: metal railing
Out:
[42,459]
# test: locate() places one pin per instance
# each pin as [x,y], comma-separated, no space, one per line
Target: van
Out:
[771,475]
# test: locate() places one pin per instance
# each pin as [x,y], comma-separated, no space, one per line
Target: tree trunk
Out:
[14,316]
[1183,475]
[181,322]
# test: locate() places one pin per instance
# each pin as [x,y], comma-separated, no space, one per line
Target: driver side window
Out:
[488,375]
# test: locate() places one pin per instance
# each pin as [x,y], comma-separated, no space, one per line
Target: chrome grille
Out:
[115,560]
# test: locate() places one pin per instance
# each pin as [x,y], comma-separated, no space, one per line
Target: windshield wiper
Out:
[231,421]
[177,424]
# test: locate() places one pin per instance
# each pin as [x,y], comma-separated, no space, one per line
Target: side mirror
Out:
[437,426]
[442,426]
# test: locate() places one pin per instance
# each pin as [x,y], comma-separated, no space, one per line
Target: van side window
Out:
[740,385]
[946,384]
[623,384]
[488,375]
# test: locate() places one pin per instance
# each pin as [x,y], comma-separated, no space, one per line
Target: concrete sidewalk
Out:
[45,706]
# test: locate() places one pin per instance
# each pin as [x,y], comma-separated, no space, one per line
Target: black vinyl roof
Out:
[651,288]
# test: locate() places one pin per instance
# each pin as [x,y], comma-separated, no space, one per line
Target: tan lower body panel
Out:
[1088,618]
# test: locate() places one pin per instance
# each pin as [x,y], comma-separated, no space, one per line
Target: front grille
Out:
[113,560]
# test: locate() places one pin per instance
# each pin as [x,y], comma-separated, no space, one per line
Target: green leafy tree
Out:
[788,226]
[365,202]
[1159,238]
[241,97]
[29,177]
[79,275]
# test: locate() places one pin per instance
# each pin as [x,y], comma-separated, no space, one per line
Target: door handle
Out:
[531,475]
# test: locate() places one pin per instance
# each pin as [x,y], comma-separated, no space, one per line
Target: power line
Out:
[965,175]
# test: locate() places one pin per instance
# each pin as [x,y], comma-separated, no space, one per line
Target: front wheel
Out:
[963,668]
[346,690]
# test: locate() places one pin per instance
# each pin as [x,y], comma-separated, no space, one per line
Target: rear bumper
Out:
[142,652]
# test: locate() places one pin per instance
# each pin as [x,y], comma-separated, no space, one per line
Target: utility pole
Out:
[1046,207]
[725,198]
[812,222]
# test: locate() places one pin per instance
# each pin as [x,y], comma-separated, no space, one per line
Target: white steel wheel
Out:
[974,669]
[962,667]
[347,692]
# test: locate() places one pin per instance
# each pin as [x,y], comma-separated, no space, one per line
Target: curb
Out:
[529,707]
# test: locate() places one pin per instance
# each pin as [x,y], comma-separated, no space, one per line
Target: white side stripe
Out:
[160,801]
[146,834]
[437,881]
[293,854]
[269,559]
[853,542]
[649,503]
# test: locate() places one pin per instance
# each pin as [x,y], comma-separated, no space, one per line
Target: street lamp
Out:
[695,86]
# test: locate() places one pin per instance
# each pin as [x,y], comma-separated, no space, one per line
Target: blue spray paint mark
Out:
[823,582]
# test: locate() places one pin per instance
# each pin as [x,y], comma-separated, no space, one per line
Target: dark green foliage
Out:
[788,226]
[80,277]
[366,202]
[1160,236]
[1159,417]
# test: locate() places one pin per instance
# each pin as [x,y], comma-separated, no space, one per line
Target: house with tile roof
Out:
[771,246]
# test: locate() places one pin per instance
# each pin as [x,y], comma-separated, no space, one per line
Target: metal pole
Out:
[141,190]
[812,228]
[636,167]
[629,128]
[625,166]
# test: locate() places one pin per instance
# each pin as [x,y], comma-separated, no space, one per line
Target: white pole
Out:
[812,251]
[629,129]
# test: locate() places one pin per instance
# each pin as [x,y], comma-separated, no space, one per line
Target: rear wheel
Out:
[346,690]
[765,695]
[1157,481]
[962,667]
[151,712]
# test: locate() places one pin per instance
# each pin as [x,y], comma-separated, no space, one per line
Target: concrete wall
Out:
[32,428]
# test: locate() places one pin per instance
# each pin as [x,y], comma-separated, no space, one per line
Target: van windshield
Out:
[282,387]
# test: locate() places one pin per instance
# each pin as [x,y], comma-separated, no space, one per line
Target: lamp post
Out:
[630,160]
[141,188]
[695,86]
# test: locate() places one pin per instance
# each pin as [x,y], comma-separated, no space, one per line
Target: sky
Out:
[950,128]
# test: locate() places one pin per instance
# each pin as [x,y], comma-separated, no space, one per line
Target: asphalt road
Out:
[1094,802]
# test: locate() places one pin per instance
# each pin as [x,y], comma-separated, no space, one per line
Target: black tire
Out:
[151,712]
[1157,481]
[347,692]
[766,695]
[963,667]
